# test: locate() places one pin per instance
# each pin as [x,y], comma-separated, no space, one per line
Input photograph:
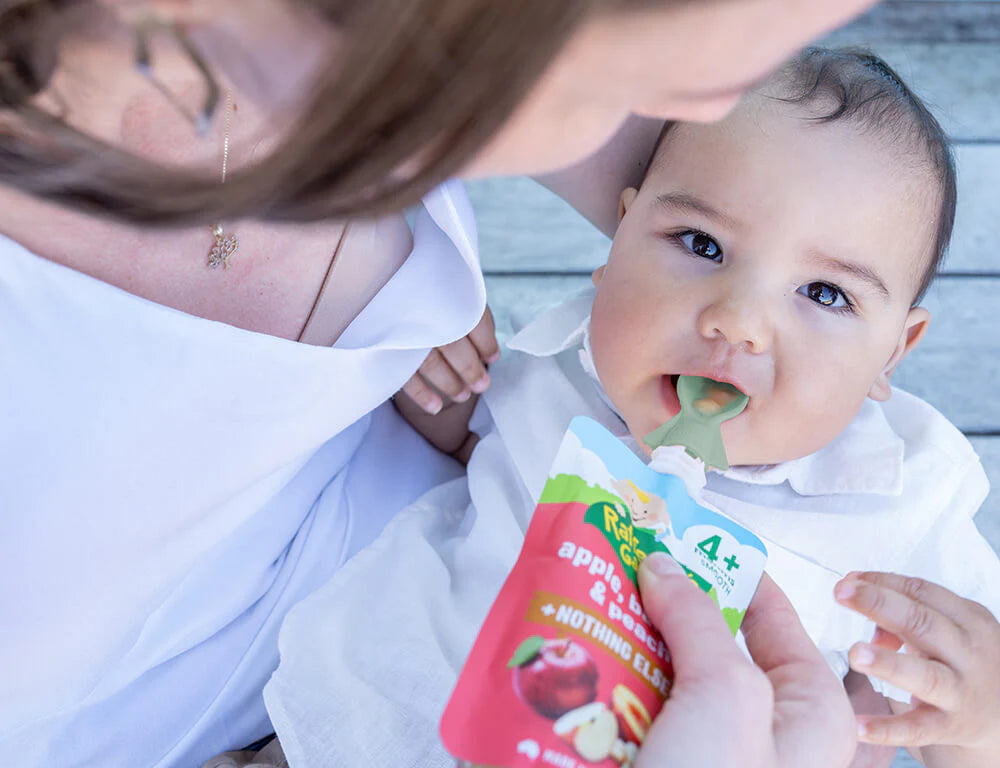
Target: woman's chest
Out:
[278,280]
[271,281]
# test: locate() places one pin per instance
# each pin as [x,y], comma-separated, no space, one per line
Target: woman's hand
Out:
[951,667]
[456,371]
[786,709]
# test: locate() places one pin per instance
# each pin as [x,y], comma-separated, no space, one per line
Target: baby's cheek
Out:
[613,356]
[802,425]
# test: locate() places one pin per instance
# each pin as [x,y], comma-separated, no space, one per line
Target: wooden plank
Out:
[528,296]
[977,221]
[525,228]
[952,367]
[960,354]
[958,81]
[927,21]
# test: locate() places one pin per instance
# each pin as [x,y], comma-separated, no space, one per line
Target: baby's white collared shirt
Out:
[895,491]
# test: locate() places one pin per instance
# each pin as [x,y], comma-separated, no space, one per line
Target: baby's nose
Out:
[740,322]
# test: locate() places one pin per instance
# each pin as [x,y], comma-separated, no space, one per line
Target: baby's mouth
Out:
[668,392]
[671,400]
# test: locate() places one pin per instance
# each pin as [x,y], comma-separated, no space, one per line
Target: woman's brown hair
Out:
[421,85]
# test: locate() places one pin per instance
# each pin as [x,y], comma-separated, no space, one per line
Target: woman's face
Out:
[690,61]
[685,60]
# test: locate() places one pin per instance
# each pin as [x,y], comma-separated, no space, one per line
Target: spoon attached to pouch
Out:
[705,404]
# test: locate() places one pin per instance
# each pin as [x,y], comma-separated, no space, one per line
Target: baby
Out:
[783,250]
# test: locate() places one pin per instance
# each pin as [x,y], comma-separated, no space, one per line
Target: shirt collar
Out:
[867,457]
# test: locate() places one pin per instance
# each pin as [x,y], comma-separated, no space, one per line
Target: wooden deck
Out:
[536,250]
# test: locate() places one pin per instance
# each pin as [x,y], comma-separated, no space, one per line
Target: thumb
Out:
[688,620]
[714,709]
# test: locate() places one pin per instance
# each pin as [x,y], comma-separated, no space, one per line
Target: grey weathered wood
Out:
[525,228]
[959,81]
[960,358]
[927,21]
[953,368]
[977,223]
[527,296]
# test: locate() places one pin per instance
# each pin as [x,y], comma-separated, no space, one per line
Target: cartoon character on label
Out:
[645,510]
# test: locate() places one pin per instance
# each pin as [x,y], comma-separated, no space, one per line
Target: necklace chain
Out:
[224,246]
[225,134]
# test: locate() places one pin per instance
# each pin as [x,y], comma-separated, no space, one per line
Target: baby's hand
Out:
[951,667]
[455,371]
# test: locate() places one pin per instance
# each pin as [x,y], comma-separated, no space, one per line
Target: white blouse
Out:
[172,485]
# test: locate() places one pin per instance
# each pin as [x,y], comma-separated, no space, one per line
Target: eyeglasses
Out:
[144,32]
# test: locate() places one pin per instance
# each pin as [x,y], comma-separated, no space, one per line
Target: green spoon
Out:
[705,404]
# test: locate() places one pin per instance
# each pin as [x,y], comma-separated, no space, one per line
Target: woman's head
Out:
[411,92]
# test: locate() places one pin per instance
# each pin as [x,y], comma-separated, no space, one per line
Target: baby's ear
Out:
[627,196]
[917,321]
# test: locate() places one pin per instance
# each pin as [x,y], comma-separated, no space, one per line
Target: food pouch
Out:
[567,670]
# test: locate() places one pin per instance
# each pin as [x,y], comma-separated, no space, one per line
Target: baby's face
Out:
[774,254]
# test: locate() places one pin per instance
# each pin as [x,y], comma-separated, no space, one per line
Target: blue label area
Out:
[622,463]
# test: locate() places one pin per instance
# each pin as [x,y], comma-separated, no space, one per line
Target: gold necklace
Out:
[225,246]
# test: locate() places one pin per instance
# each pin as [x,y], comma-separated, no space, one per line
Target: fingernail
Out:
[433,407]
[862,730]
[494,357]
[845,590]
[482,385]
[663,564]
[462,396]
[863,656]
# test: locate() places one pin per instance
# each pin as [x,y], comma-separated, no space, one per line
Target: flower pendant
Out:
[224,248]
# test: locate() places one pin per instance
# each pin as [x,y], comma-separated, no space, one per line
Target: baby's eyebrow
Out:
[682,201]
[861,271]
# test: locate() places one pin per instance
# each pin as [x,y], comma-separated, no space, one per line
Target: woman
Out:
[193,435]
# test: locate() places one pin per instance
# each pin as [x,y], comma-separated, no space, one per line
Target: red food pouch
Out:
[567,670]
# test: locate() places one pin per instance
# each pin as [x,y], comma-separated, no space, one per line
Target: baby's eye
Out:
[825,294]
[701,244]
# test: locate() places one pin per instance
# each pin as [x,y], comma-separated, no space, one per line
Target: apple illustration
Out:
[559,677]
[593,732]
[633,717]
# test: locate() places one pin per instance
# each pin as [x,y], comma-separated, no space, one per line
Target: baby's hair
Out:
[860,87]
[864,89]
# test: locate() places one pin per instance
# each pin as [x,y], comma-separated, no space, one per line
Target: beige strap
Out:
[367,255]
[310,328]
